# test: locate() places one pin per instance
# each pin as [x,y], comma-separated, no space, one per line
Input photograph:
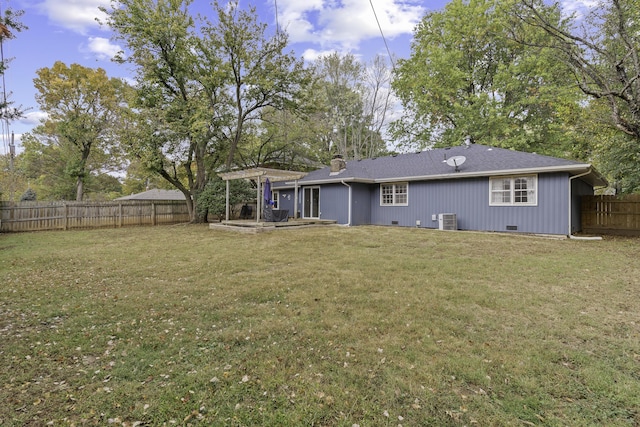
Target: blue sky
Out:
[67,31]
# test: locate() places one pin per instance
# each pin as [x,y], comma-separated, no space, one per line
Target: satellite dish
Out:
[456,161]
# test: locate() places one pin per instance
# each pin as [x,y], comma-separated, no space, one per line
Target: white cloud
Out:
[102,48]
[312,54]
[76,15]
[344,24]
[578,7]
[33,118]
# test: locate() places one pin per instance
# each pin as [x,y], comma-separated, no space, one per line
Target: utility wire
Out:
[382,34]
[5,121]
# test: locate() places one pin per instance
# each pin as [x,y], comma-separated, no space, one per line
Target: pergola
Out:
[261,175]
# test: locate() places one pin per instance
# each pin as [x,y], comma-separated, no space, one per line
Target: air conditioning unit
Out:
[447,221]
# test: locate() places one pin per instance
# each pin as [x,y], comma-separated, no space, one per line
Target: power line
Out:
[5,121]
[382,34]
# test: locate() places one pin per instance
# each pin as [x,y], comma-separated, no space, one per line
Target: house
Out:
[155,194]
[469,187]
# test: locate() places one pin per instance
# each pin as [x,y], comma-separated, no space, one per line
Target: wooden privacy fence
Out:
[611,214]
[37,216]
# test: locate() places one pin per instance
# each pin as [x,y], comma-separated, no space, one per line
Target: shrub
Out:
[212,200]
[28,196]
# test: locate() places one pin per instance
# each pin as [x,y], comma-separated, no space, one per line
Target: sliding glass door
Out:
[311,202]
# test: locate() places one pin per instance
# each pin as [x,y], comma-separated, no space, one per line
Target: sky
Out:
[68,31]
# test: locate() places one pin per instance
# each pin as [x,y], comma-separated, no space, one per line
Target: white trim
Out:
[350,201]
[512,190]
[275,194]
[394,193]
[571,178]
[582,167]
[311,188]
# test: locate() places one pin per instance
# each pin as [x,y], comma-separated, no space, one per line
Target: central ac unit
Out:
[447,221]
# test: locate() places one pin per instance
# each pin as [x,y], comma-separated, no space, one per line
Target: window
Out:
[394,194]
[275,202]
[517,190]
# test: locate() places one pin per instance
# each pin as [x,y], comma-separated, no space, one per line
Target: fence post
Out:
[153,213]
[66,216]
[120,215]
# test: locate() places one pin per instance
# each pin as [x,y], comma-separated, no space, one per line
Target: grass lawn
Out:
[366,326]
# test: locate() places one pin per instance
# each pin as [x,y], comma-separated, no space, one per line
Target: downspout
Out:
[295,199]
[571,236]
[258,197]
[227,201]
[349,210]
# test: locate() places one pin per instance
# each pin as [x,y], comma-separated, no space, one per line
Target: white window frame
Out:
[394,193]
[312,191]
[511,192]
[275,198]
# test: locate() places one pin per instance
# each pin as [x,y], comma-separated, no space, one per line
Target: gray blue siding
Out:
[286,202]
[467,198]
[361,204]
[334,202]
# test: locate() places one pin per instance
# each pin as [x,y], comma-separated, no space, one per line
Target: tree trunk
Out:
[79,189]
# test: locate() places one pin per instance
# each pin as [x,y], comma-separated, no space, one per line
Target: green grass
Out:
[368,326]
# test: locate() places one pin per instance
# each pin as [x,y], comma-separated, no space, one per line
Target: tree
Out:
[602,52]
[82,105]
[139,179]
[198,89]
[604,55]
[43,163]
[261,74]
[352,101]
[9,25]
[378,101]
[213,199]
[468,77]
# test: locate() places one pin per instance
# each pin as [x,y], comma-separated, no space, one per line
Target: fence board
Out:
[38,216]
[611,214]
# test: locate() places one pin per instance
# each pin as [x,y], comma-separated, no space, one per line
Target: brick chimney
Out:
[338,164]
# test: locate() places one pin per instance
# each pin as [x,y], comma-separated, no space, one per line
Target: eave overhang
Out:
[594,177]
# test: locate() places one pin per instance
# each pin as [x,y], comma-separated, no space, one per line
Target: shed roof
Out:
[155,194]
[480,160]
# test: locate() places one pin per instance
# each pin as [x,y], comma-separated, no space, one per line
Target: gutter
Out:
[454,175]
[349,214]
[492,173]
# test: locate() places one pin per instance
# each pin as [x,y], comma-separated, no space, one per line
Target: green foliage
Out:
[468,76]
[212,200]
[139,179]
[52,169]
[28,196]
[601,49]
[82,106]
[9,25]
[352,103]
